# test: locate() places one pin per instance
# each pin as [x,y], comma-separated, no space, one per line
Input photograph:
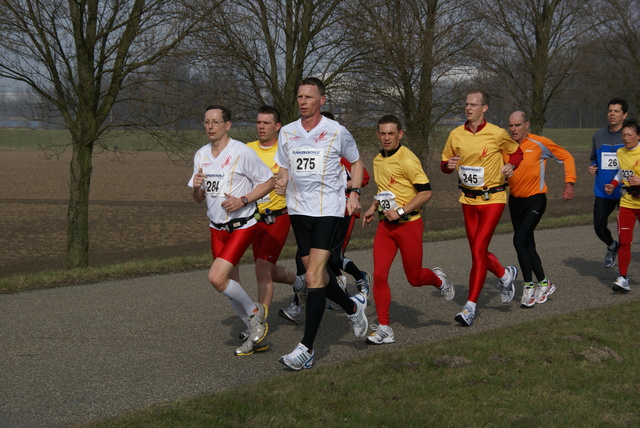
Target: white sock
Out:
[471,304]
[345,262]
[505,276]
[235,292]
[298,284]
[239,310]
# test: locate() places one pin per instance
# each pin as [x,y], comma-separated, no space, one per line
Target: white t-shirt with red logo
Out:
[316,180]
[236,171]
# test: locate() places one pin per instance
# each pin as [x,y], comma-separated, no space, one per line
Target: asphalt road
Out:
[89,352]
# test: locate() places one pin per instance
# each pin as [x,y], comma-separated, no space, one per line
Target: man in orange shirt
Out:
[528,201]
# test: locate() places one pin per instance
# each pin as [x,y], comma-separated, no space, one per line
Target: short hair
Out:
[314,81]
[270,110]
[631,123]
[390,118]
[328,115]
[623,103]
[484,94]
[226,113]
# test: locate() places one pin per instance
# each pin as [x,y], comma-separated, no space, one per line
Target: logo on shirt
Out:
[484,153]
[321,137]
[295,138]
[226,162]
[205,164]
[392,180]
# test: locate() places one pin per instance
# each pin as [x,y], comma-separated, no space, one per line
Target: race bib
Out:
[307,161]
[387,200]
[608,160]
[215,184]
[626,174]
[471,176]
[266,198]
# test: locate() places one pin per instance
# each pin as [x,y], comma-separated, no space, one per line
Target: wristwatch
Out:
[400,211]
[244,200]
[355,189]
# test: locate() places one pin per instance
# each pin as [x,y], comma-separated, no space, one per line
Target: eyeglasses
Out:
[213,123]
[473,105]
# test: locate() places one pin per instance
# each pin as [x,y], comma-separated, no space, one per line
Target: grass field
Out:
[567,371]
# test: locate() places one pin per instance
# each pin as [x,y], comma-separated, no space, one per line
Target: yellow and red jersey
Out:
[398,174]
[272,201]
[529,178]
[629,164]
[481,160]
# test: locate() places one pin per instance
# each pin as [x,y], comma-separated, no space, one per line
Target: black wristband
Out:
[355,189]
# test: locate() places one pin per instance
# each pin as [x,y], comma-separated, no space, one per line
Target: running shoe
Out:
[466,316]
[507,287]
[359,318]
[245,335]
[364,284]
[258,323]
[528,295]
[302,295]
[342,282]
[621,284]
[248,347]
[299,359]
[610,256]
[446,289]
[293,313]
[543,290]
[381,334]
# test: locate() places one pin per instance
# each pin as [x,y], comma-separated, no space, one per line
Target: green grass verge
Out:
[146,267]
[570,370]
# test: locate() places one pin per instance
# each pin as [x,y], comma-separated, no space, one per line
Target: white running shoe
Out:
[446,289]
[364,284]
[248,347]
[342,282]
[258,323]
[507,287]
[245,335]
[621,284]
[466,316]
[382,334]
[528,296]
[544,290]
[359,318]
[292,313]
[302,295]
[299,359]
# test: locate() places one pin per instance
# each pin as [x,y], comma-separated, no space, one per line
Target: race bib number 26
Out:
[609,161]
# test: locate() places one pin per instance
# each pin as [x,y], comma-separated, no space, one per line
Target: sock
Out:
[338,295]
[471,304]
[544,282]
[235,292]
[239,310]
[613,246]
[350,267]
[528,285]
[316,301]
[505,276]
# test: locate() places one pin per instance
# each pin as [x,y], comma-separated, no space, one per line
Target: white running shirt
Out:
[316,182]
[236,171]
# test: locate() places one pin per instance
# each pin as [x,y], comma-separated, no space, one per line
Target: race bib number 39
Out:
[471,176]
[387,200]
[307,161]
[608,160]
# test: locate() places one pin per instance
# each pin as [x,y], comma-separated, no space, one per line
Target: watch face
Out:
[244,200]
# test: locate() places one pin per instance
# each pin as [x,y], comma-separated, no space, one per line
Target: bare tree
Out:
[415,56]
[272,44]
[530,45]
[619,39]
[77,56]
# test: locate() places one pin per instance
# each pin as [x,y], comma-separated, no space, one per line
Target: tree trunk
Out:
[78,209]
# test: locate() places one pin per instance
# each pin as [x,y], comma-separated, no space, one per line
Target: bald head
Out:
[518,126]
